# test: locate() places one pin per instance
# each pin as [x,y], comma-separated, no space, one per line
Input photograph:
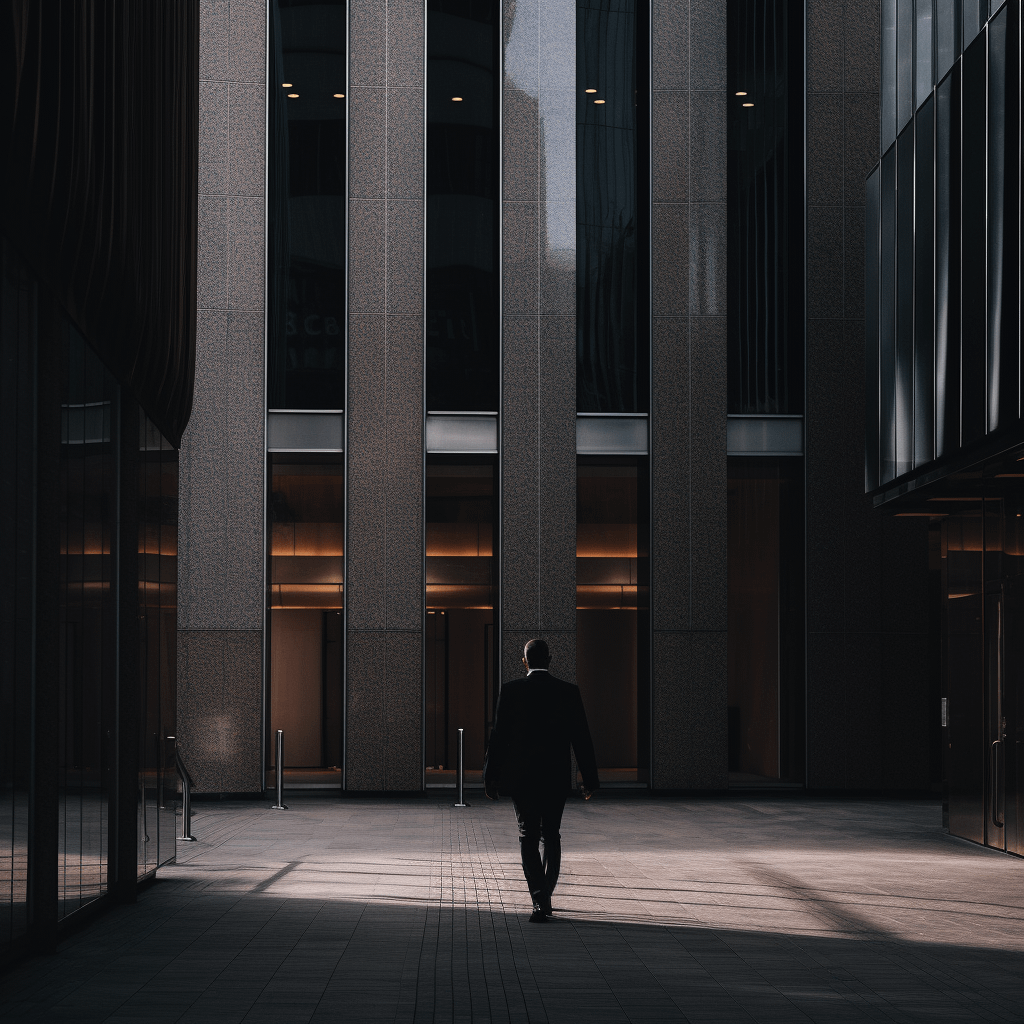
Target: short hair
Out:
[536,654]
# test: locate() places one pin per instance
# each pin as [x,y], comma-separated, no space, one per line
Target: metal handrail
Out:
[186,798]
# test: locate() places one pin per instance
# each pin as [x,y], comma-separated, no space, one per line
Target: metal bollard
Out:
[280,805]
[186,799]
[459,782]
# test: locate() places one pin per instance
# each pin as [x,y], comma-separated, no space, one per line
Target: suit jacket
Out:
[536,722]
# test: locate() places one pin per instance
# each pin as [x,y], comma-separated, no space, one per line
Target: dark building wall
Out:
[538,415]
[384,546]
[221,498]
[688,409]
[867,575]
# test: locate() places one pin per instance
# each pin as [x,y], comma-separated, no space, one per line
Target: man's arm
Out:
[582,744]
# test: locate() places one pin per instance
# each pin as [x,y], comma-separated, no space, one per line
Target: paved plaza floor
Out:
[788,909]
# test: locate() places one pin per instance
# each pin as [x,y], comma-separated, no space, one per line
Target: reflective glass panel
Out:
[905,301]
[307,221]
[18,344]
[974,241]
[87,619]
[307,535]
[612,585]
[461,678]
[462,206]
[924,297]
[905,63]
[887,324]
[923,77]
[947,35]
[765,209]
[975,16]
[158,608]
[889,74]
[609,362]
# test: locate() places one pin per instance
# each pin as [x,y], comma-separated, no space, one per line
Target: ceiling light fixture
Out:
[293,95]
[591,90]
[286,85]
[599,101]
[339,95]
[748,104]
[456,99]
[741,94]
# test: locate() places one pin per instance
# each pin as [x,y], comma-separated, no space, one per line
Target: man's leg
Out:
[550,824]
[528,817]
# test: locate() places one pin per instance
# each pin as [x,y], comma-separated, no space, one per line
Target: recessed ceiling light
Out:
[591,90]
[741,94]
[748,104]
[286,85]
[456,99]
[293,95]
[599,101]
[339,95]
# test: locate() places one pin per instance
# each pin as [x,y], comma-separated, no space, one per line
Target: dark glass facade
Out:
[88,676]
[461,600]
[307,219]
[612,612]
[463,174]
[765,253]
[611,333]
[943,244]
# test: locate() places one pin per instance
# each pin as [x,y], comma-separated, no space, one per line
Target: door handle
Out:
[996,744]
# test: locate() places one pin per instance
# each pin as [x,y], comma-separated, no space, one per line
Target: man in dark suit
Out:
[537,719]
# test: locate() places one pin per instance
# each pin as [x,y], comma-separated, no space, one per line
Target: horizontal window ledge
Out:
[611,434]
[462,433]
[301,430]
[765,435]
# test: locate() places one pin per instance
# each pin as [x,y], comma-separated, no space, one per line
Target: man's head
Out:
[535,654]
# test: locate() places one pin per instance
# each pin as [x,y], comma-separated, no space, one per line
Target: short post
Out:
[186,800]
[460,787]
[280,805]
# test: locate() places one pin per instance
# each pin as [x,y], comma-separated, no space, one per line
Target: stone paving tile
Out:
[704,911]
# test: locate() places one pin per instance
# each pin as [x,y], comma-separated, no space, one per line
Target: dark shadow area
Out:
[178,953]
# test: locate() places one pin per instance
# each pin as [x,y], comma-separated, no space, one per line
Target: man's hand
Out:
[587,793]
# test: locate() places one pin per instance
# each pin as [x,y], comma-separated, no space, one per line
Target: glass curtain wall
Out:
[461,655]
[462,345]
[87,614]
[307,204]
[765,215]
[307,512]
[612,618]
[158,610]
[611,347]
[18,341]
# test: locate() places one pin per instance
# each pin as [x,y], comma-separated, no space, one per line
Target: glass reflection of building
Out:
[944,439]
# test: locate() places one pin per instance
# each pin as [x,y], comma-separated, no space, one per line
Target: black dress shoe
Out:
[538,917]
[545,906]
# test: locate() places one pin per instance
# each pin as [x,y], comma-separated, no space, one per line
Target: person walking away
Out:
[537,721]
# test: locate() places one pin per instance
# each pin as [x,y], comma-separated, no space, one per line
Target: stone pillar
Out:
[221,500]
[688,401]
[538,405]
[384,593]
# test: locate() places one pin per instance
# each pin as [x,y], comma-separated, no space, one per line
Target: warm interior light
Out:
[748,104]
[293,95]
[456,99]
[339,95]
[286,85]
[591,90]
[741,94]
[599,101]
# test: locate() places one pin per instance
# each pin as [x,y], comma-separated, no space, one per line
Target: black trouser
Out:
[539,817]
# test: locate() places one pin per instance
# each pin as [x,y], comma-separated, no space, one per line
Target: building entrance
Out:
[461,657]
[306,630]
